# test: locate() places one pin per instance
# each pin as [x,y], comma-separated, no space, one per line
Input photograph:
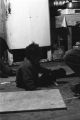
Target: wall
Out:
[2,19]
[22,26]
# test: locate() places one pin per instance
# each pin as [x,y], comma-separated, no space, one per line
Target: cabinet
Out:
[28,21]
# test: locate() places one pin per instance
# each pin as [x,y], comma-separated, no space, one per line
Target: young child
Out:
[31,74]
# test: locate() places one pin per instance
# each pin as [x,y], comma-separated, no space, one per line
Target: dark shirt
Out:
[27,74]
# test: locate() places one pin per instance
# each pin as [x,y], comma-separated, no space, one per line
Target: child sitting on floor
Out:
[31,74]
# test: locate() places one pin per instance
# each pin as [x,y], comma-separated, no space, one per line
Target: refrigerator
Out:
[27,21]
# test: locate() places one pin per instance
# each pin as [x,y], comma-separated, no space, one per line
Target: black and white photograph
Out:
[39,60]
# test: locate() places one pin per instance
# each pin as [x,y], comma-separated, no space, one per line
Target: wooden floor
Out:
[64,85]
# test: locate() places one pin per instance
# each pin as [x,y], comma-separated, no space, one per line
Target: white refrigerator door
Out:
[28,22]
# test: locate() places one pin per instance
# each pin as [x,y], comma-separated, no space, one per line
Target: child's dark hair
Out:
[32,51]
